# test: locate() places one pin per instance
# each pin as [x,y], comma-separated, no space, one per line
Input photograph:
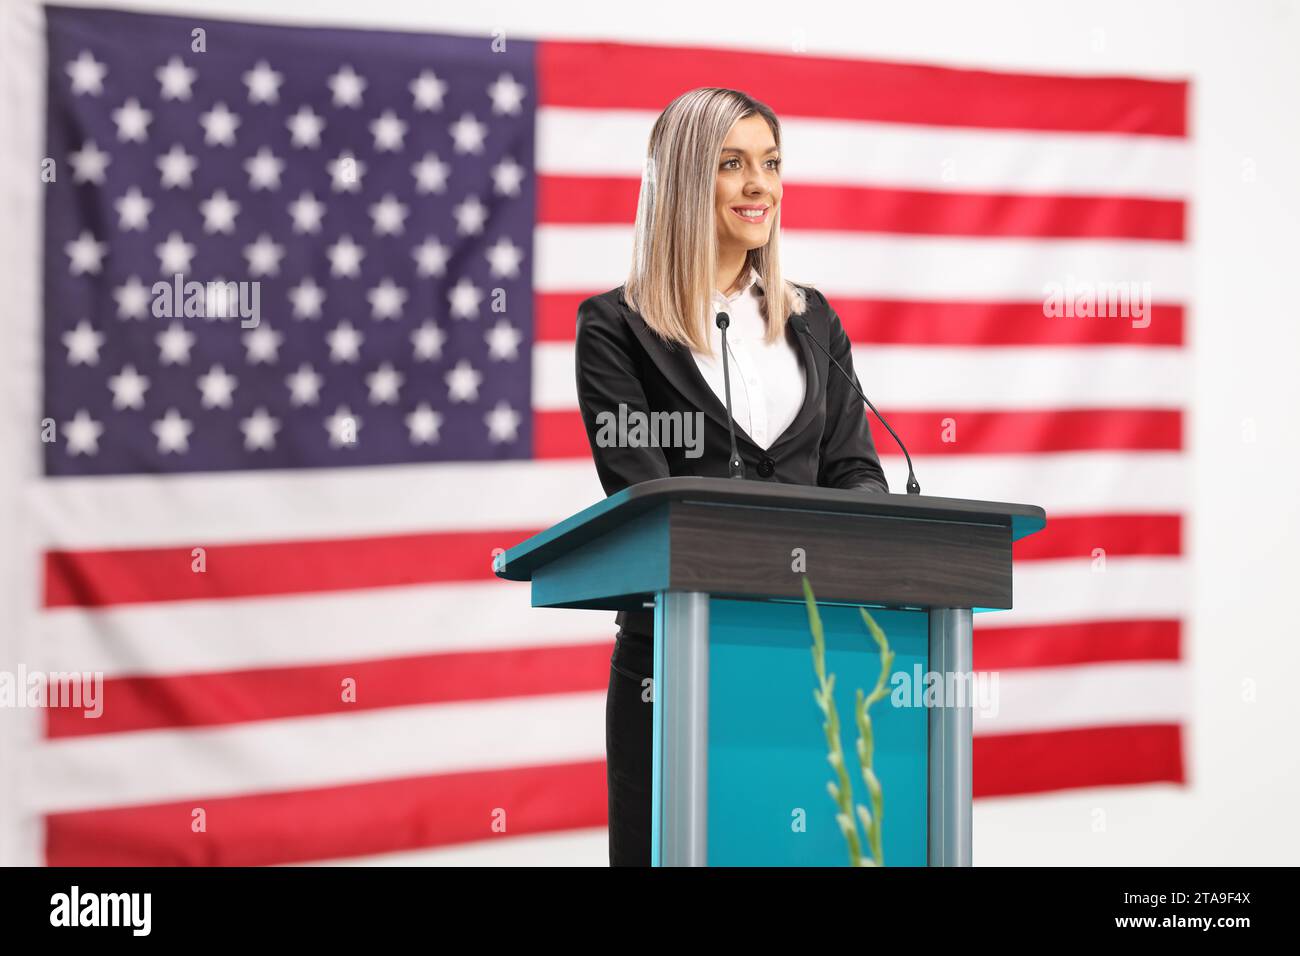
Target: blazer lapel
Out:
[678,367]
[813,373]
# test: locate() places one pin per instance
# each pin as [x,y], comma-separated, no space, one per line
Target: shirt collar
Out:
[752,284]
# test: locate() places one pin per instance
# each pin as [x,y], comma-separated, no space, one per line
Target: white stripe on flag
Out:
[160,766]
[1069,483]
[133,510]
[326,628]
[1088,695]
[154,766]
[141,511]
[570,258]
[902,377]
[1073,589]
[583,142]
[306,629]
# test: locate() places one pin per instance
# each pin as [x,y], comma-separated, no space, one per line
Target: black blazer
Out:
[621,360]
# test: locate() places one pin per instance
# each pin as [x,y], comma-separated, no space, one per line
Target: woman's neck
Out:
[732,273]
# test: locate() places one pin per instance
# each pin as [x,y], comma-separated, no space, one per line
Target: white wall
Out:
[1245,527]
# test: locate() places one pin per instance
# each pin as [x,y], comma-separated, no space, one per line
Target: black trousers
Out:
[629,734]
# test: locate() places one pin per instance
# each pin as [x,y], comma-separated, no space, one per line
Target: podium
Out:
[739,754]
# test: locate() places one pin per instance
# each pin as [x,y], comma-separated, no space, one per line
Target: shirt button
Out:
[766,468]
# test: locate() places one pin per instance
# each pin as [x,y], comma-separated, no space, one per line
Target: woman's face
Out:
[749,180]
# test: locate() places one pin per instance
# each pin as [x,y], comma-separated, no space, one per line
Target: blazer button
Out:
[766,468]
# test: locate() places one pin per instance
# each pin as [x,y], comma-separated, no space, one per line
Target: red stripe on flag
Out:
[232,697]
[901,322]
[1024,432]
[1008,764]
[1075,536]
[579,200]
[560,433]
[355,820]
[645,77]
[1088,642]
[135,575]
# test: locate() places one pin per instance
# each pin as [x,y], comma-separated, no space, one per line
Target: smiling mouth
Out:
[751,213]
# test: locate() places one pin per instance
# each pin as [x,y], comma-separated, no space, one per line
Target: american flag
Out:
[274,538]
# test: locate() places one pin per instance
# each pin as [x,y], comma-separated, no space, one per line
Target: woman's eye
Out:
[775,163]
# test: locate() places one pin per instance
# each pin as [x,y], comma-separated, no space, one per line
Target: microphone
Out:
[800,325]
[735,467]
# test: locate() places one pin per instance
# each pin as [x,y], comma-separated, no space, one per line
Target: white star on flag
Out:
[428,91]
[86,254]
[87,74]
[430,257]
[344,428]
[307,212]
[219,125]
[264,170]
[133,210]
[463,382]
[503,423]
[177,168]
[423,424]
[132,299]
[89,163]
[173,432]
[345,172]
[386,300]
[83,344]
[465,297]
[507,177]
[259,430]
[430,174]
[345,258]
[174,255]
[262,345]
[174,345]
[176,79]
[307,298]
[305,128]
[82,434]
[468,134]
[428,341]
[132,121]
[263,83]
[218,387]
[347,87]
[503,340]
[388,131]
[264,256]
[384,383]
[507,95]
[219,212]
[128,387]
[345,343]
[304,386]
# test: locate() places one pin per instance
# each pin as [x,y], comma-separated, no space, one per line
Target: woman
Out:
[707,220]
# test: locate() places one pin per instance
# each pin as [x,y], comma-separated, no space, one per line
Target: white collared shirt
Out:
[767,380]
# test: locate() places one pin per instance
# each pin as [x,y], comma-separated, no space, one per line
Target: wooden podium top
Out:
[743,538]
[518,563]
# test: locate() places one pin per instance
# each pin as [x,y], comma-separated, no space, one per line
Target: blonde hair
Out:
[676,245]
